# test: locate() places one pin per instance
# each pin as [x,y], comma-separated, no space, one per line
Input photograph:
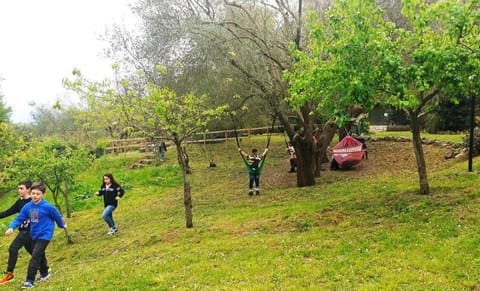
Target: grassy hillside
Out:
[353,231]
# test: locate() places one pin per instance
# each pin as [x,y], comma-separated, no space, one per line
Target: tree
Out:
[10,145]
[5,111]
[407,68]
[335,72]
[149,110]
[429,62]
[55,164]
[181,117]
[199,42]
[256,36]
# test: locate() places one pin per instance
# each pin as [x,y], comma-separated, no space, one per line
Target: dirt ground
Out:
[398,158]
[385,158]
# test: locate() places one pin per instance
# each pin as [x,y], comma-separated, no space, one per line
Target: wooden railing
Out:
[128,144]
[227,134]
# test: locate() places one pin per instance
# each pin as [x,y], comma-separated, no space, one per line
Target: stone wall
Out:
[453,149]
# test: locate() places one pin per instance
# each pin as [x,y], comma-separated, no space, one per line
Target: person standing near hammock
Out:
[293,158]
[254,164]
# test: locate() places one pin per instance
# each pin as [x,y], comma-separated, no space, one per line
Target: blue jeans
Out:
[107,215]
[256,179]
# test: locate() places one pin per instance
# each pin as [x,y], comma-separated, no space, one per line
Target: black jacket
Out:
[16,209]
[109,194]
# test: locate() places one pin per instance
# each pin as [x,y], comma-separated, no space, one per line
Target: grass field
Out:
[349,232]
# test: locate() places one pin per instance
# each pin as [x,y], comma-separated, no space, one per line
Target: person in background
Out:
[333,163]
[111,192]
[293,158]
[23,238]
[162,149]
[42,216]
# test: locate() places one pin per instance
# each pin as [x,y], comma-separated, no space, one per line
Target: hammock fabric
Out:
[256,171]
[348,152]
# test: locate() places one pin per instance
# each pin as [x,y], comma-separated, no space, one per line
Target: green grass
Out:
[458,137]
[343,234]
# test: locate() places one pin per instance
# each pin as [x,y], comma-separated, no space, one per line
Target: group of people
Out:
[36,220]
[255,163]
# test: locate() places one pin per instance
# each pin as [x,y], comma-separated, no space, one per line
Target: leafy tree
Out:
[181,117]
[5,111]
[356,54]
[430,62]
[10,144]
[335,73]
[149,110]
[200,42]
[55,164]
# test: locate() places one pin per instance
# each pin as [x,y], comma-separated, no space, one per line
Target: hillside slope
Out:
[360,229]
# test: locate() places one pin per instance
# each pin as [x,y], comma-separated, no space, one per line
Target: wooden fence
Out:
[147,145]
[127,144]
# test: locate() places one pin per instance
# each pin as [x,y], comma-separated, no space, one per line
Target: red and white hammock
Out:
[348,152]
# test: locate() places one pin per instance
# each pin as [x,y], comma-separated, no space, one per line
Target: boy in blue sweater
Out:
[42,216]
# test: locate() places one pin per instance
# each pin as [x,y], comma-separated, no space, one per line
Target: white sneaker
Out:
[112,231]
[43,277]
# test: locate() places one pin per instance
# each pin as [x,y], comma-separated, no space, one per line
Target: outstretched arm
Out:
[265,152]
[242,153]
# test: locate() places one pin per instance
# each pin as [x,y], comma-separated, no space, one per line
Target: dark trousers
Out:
[23,239]
[293,165]
[38,260]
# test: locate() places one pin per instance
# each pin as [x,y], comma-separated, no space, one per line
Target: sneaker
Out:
[112,231]
[27,285]
[250,193]
[8,277]
[257,192]
[43,277]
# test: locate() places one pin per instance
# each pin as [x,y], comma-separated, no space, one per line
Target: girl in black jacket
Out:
[111,192]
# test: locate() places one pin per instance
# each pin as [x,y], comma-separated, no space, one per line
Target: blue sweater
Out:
[42,217]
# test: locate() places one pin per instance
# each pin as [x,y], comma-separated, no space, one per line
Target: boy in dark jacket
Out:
[23,238]
[42,216]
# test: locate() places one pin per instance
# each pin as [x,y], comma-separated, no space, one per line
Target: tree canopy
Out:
[356,57]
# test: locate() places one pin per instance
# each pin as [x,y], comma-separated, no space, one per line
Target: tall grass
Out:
[346,233]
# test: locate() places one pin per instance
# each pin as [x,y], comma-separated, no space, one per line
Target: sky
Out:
[41,42]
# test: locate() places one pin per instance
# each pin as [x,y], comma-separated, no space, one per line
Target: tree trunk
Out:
[324,138]
[55,199]
[304,144]
[67,201]
[419,155]
[187,194]
[187,202]
[305,162]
